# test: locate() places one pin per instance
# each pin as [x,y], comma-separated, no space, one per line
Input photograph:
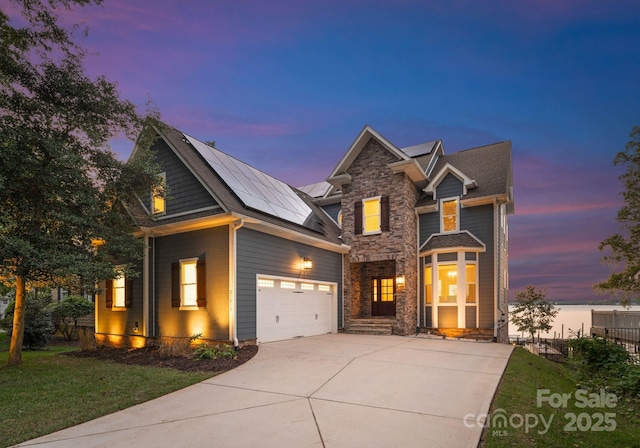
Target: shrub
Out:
[604,364]
[38,328]
[219,351]
[597,353]
[66,313]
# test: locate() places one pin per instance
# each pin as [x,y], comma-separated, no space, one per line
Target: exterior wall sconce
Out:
[400,281]
[307,263]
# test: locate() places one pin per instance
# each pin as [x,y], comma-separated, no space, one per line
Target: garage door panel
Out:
[285,313]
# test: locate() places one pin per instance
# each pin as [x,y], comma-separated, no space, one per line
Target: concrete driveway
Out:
[335,390]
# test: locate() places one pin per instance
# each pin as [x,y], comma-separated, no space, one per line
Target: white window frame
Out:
[461,301]
[379,215]
[467,282]
[442,215]
[155,197]
[119,293]
[184,262]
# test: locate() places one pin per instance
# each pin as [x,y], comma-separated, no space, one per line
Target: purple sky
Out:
[286,86]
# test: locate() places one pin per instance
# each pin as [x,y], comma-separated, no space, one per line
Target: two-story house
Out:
[412,236]
[427,234]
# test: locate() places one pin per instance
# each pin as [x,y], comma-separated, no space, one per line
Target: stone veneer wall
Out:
[372,177]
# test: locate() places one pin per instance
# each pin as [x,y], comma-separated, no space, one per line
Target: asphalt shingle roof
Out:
[449,240]
[318,224]
[489,166]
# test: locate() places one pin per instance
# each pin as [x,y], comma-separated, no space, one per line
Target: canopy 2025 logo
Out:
[499,421]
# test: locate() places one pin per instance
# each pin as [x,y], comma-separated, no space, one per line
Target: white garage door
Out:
[290,308]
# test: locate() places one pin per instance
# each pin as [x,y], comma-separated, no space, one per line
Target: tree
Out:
[61,189]
[624,256]
[532,312]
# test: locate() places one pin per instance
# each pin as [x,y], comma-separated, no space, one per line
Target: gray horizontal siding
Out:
[479,221]
[429,224]
[259,253]
[185,192]
[333,210]
[212,245]
[449,187]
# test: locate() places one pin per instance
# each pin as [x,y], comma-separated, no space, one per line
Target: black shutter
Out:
[384,213]
[175,285]
[128,293]
[357,217]
[109,294]
[201,275]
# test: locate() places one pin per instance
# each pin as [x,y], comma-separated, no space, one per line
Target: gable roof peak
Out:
[366,134]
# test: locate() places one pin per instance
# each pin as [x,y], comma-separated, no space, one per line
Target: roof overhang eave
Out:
[412,169]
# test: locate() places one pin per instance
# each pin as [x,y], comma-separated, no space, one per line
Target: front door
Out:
[383,296]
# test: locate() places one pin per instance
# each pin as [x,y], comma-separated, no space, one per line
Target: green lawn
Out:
[50,391]
[570,426]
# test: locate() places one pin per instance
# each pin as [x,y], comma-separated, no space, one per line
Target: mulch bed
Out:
[152,357]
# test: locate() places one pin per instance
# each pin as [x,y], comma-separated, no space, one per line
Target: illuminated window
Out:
[158,201]
[340,218]
[470,275]
[189,282]
[371,215]
[449,215]
[448,283]
[119,292]
[287,285]
[324,288]
[386,289]
[307,286]
[428,283]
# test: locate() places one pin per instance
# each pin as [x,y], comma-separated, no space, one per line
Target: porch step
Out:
[374,326]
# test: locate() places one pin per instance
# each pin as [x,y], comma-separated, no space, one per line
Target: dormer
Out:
[467,182]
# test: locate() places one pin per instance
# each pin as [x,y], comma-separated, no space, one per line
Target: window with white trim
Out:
[119,291]
[189,282]
[471,280]
[449,215]
[428,284]
[371,215]
[287,285]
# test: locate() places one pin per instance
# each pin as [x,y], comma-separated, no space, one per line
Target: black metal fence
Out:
[557,349]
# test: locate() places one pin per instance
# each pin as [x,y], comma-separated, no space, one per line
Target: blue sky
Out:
[286,86]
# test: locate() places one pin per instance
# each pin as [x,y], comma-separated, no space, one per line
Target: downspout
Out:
[496,267]
[499,312]
[418,269]
[145,288]
[233,278]
[154,331]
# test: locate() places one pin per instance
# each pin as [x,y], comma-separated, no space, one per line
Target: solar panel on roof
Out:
[254,188]
[316,190]
[419,150]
